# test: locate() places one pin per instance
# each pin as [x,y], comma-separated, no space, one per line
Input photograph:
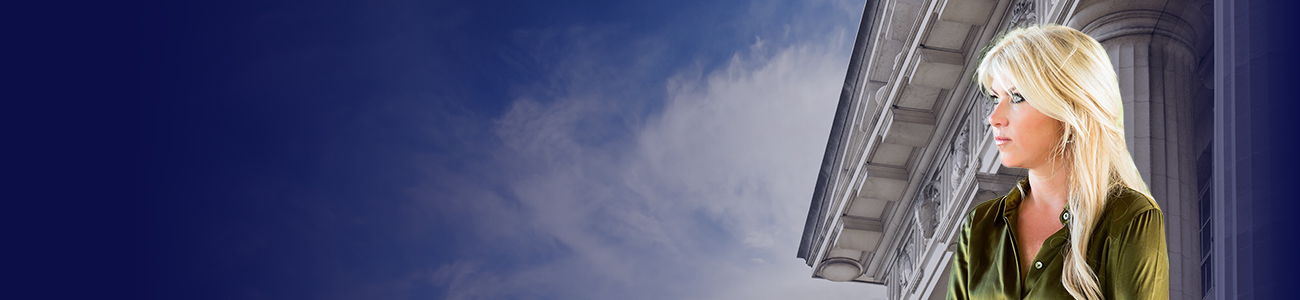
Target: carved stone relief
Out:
[927,207]
[1023,14]
[960,156]
[983,109]
[904,266]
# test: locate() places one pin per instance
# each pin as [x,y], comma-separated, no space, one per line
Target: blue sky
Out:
[489,150]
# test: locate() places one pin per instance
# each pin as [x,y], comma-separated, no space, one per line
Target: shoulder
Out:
[1123,203]
[986,212]
[1127,210]
[982,222]
[1132,252]
[988,208]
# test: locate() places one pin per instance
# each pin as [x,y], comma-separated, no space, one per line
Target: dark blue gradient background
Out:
[1274,68]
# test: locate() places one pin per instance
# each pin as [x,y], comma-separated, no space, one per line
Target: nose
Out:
[997,118]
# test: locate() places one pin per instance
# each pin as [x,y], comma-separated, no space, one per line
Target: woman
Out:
[1082,225]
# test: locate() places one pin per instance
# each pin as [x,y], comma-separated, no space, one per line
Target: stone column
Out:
[1155,54]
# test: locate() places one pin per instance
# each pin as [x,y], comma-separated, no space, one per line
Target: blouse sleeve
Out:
[958,288]
[1138,265]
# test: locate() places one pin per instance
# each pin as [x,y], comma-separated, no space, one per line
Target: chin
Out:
[1007,162]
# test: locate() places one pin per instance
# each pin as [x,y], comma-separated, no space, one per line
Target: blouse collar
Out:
[1011,202]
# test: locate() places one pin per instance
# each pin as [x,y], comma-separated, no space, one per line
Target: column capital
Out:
[1182,23]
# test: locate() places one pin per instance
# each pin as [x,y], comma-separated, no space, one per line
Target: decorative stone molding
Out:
[840,269]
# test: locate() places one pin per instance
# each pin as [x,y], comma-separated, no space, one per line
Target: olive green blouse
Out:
[1127,252]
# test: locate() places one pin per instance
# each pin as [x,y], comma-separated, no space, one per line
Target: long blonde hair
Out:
[1066,75]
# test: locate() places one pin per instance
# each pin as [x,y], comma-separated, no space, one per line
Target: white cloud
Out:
[704,199]
[743,145]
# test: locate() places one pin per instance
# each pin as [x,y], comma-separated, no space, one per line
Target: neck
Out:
[1050,187]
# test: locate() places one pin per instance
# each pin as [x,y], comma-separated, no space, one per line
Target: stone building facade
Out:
[910,150]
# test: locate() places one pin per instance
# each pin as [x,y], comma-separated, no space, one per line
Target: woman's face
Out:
[1024,136]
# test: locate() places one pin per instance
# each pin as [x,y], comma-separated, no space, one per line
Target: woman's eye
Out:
[994,99]
[1017,98]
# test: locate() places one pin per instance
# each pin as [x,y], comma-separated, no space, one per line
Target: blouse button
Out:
[1038,265]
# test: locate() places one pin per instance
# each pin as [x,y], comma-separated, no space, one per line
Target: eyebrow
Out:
[1009,91]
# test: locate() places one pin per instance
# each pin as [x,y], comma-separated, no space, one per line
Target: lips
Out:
[999,140]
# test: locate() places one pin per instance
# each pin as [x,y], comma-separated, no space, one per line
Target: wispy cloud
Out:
[702,198]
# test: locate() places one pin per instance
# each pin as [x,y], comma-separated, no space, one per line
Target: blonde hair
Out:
[1066,75]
